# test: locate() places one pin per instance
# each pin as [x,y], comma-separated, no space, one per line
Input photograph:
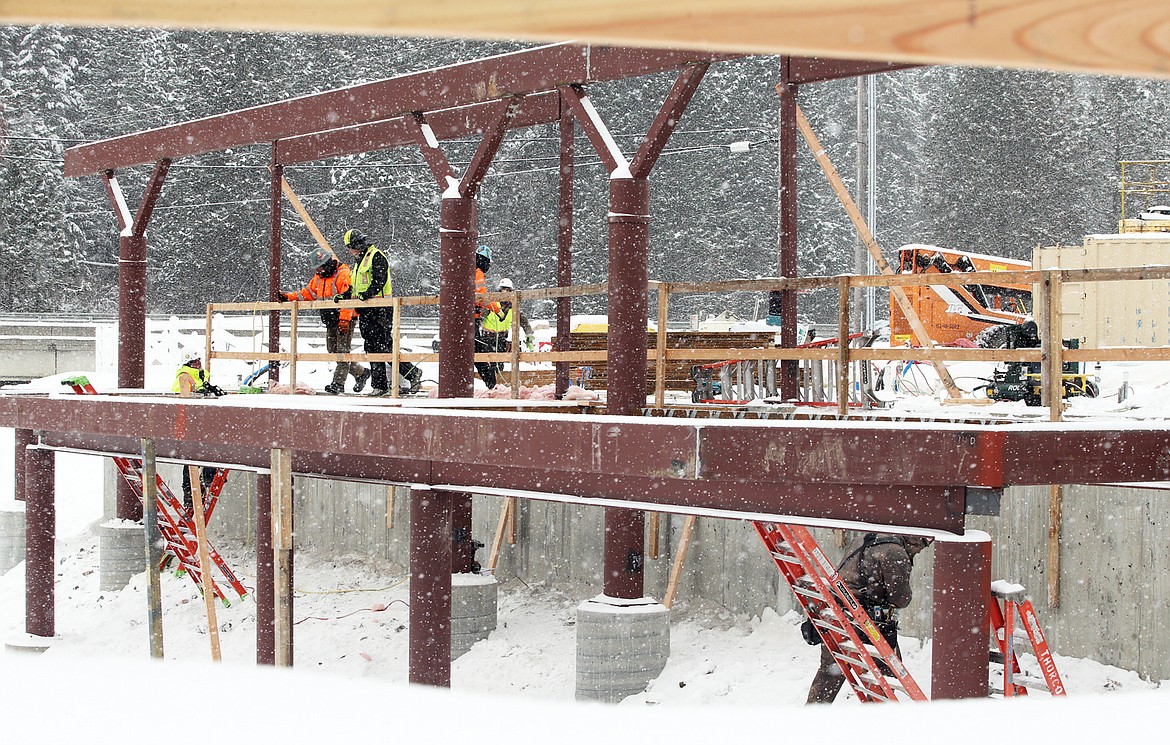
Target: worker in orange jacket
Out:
[330,278]
[484,342]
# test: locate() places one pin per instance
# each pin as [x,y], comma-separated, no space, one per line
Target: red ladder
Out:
[837,615]
[175,522]
[1016,604]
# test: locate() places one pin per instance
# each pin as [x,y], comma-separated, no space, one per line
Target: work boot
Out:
[415,378]
[359,381]
[334,390]
[376,392]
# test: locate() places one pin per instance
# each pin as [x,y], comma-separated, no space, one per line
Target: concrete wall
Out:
[1116,557]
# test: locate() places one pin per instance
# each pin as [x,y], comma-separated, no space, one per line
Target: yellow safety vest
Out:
[496,324]
[365,274]
[198,375]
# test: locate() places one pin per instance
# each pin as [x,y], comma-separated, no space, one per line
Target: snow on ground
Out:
[726,672]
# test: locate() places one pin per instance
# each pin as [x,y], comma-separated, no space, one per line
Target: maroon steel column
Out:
[131,342]
[788,130]
[40,529]
[629,268]
[430,587]
[24,438]
[274,268]
[457,344]
[565,248]
[962,591]
[265,574]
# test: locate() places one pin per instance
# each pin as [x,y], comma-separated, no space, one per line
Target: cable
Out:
[376,608]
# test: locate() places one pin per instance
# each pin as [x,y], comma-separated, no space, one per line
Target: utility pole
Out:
[865,298]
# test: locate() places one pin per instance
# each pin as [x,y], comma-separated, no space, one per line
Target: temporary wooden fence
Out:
[1046,304]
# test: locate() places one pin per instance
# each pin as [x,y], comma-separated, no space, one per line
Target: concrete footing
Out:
[474,608]
[122,553]
[11,538]
[622,645]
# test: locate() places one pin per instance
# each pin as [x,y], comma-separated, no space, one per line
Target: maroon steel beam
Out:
[432,153]
[584,111]
[274,261]
[24,438]
[816,69]
[430,587]
[564,341]
[527,71]
[667,119]
[962,591]
[671,450]
[40,531]
[150,198]
[789,369]
[447,124]
[489,145]
[265,574]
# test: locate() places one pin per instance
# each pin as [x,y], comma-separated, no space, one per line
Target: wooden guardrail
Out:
[1046,307]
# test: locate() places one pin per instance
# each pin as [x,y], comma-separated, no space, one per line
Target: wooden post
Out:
[396,347]
[153,552]
[513,510]
[295,201]
[292,343]
[660,348]
[204,561]
[1055,507]
[1052,372]
[207,344]
[842,347]
[655,519]
[871,244]
[390,497]
[501,528]
[282,550]
[680,556]
[515,361]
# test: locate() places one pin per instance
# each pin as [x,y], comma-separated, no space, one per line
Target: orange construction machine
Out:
[975,312]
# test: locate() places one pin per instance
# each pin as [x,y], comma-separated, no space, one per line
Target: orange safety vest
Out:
[323,288]
[481,287]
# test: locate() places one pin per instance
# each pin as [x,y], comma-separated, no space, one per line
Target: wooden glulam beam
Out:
[1100,36]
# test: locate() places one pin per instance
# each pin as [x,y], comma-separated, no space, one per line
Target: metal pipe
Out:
[40,538]
[788,233]
[962,591]
[430,587]
[565,248]
[274,258]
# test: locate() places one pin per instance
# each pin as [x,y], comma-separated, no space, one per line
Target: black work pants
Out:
[489,341]
[829,678]
[375,327]
[206,476]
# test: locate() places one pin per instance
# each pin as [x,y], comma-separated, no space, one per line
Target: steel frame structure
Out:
[847,472]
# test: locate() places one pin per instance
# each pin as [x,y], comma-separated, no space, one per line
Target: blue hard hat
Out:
[484,251]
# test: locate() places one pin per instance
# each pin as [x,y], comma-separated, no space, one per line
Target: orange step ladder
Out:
[838,616]
[175,522]
[1016,605]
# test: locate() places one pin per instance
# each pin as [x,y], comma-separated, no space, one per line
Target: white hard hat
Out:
[505,284]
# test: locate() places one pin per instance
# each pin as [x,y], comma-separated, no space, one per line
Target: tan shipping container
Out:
[1111,314]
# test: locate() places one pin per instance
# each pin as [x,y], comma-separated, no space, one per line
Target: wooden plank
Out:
[501,529]
[513,511]
[295,201]
[153,552]
[655,520]
[1052,365]
[514,357]
[1092,37]
[207,344]
[396,347]
[204,561]
[843,348]
[390,495]
[872,246]
[292,365]
[660,355]
[680,557]
[282,549]
[1055,506]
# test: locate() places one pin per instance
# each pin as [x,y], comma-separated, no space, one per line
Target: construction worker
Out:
[483,341]
[876,568]
[331,277]
[192,380]
[497,324]
[371,280]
